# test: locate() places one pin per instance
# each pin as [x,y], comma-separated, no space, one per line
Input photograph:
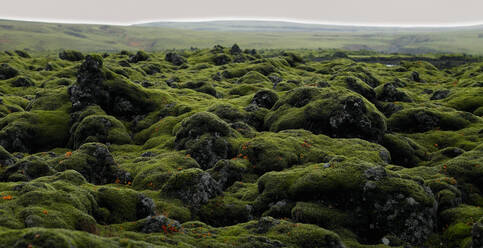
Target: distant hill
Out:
[37,36]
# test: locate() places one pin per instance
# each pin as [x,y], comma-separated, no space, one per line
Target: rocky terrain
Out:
[232,147]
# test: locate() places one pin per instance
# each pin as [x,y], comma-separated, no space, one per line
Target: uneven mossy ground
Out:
[237,148]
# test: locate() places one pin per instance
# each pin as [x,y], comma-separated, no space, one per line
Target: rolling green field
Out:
[161,36]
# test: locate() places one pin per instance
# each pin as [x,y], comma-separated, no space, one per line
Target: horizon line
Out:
[287,20]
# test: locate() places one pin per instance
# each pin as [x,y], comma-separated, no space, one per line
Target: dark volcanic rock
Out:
[389,93]
[99,86]
[6,72]
[160,223]
[145,207]
[265,99]
[96,164]
[204,136]
[89,89]
[6,158]
[235,49]
[174,58]
[225,172]
[23,82]
[193,186]
[415,76]
[221,59]
[139,56]
[440,94]
[27,169]
[71,55]
[330,111]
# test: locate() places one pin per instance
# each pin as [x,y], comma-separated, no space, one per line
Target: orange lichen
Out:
[68,154]
[7,197]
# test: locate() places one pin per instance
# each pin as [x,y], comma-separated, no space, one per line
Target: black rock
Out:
[160,223]
[145,207]
[139,56]
[23,82]
[415,76]
[440,94]
[71,55]
[265,99]
[6,72]
[221,59]
[174,58]
[389,93]
[235,49]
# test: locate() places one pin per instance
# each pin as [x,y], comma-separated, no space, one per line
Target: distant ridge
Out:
[258,34]
[285,25]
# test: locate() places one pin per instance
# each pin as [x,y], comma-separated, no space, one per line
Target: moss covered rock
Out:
[370,196]
[27,169]
[193,186]
[332,111]
[7,72]
[95,163]
[34,131]
[71,55]
[117,96]
[100,128]
[204,136]
[422,120]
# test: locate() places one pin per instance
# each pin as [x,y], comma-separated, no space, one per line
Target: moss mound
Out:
[332,111]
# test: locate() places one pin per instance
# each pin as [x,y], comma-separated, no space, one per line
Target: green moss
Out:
[34,131]
[100,128]
[422,120]
[323,216]
[332,111]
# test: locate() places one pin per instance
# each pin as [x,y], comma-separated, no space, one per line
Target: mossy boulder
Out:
[175,58]
[253,77]
[201,86]
[368,193]
[333,111]
[225,211]
[235,49]
[389,93]
[221,59]
[117,96]
[467,168]
[192,186]
[422,120]
[460,222]
[404,151]
[22,82]
[229,113]
[153,172]
[71,55]
[34,131]
[122,205]
[99,128]
[159,223]
[6,158]
[226,172]
[139,56]
[205,137]
[7,72]
[95,163]
[264,99]
[27,169]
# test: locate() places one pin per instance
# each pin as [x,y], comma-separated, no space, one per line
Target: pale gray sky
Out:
[362,12]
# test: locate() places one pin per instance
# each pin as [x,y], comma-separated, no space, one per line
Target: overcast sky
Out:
[361,12]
